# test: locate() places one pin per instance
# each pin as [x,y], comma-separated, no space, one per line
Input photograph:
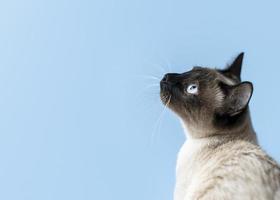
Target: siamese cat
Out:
[221,159]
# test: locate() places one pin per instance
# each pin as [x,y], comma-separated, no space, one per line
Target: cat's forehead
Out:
[202,70]
[200,74]
[208,74]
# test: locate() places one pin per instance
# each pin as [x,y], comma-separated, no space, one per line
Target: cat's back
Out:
[234,170]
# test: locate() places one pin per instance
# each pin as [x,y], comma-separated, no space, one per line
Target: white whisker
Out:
[161,68]
[159,121]
[150,89]
[169,65]
[152,77]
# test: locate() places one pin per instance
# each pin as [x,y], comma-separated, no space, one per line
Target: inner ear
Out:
[237,97]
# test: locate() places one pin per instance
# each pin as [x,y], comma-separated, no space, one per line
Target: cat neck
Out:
[244,131]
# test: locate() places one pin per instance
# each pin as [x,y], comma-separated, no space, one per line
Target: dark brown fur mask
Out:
[208,101]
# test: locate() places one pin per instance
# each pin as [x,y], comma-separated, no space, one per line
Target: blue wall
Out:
[79,114]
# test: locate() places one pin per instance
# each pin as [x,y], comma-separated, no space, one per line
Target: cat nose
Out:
[170,78]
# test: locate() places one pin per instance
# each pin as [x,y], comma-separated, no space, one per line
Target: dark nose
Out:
[170,78]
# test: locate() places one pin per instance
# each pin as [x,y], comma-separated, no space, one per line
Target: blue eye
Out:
[192,89]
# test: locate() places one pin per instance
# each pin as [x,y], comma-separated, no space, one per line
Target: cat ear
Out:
[237,97]
[235,68]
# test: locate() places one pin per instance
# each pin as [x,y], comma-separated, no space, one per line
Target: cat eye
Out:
[192,89]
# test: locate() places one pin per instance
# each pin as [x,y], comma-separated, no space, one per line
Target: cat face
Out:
[208,100]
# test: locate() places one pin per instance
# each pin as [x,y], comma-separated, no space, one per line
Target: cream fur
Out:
[222,168]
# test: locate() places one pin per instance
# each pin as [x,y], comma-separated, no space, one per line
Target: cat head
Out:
[209,101]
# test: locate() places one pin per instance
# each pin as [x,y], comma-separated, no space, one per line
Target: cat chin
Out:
[164,97]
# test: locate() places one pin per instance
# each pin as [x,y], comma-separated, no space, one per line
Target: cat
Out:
[221,159]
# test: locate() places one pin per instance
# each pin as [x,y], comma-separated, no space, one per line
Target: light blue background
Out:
[79,116]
